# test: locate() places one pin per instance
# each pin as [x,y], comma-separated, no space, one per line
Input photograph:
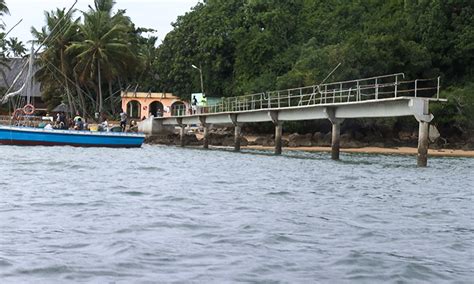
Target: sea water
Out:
[166,214]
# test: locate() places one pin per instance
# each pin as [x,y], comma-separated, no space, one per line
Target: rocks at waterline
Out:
[351,139]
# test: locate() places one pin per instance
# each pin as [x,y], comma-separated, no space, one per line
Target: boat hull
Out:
[11,135]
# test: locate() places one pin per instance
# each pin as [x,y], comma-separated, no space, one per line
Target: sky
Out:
[155,14]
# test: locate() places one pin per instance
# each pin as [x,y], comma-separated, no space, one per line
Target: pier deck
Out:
[382,96]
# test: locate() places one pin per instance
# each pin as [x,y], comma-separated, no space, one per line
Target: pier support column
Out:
[336,139]
[336,132]
[182,132]
[237,137]
[182,135]
[278,131]
[423,144]
[278,134]
[205,139]
[237,132]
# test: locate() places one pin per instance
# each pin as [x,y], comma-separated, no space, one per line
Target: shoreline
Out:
[410,151]
[403,150]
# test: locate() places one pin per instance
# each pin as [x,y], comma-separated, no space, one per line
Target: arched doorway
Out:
[178,109]
[156,108]
[134,109]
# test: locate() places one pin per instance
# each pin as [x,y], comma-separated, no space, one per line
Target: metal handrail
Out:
[373,88]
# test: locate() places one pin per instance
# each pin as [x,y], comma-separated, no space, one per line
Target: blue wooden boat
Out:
[16,135]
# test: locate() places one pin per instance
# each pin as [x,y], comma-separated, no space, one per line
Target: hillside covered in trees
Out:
[258,45]
[246,46]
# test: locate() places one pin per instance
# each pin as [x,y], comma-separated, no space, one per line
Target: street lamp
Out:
[200,72]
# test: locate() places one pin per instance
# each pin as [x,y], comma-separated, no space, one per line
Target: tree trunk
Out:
[101,101]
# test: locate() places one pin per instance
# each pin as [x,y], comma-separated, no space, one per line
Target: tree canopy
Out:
[245,46]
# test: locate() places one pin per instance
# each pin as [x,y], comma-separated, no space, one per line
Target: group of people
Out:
[62,121]
[195,106]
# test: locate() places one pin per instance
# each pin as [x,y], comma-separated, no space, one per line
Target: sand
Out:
[367,150]
[377,150]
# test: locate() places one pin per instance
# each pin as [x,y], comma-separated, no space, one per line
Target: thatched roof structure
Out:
[16,65]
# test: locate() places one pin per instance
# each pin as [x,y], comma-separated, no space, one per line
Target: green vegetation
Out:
[256,45]
[86,56]
[246,46]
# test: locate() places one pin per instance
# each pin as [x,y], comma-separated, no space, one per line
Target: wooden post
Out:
[423,144]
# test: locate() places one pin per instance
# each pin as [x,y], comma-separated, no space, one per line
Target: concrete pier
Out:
[237,137]
[278,131]
[205,139]
[278,134]
[336,139]
[334,101]
[182,135]
[423,144]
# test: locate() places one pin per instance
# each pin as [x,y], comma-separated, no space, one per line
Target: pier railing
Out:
[374,88]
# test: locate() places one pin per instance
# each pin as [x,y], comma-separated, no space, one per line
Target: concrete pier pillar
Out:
[423,144]
[205,139]
[278,134]
[336,137]
[182,135]
[237,137]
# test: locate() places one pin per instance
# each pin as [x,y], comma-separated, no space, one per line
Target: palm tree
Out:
[104,51]
[3,11]
[56,72]
[3,60]
[15,47]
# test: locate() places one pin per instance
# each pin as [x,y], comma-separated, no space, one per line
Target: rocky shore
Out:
[404,142]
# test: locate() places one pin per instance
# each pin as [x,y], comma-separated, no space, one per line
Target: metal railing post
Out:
[416,86]
[358,91]
[325,94]
[340,92]
[376,89]
[396,85]
[437,89]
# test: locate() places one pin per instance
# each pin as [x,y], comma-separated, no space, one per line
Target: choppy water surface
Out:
[164,214]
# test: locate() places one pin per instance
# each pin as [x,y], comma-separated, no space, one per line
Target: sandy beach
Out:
[365,150]
[377,150]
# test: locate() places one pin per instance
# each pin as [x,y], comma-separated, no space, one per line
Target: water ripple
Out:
[189,215]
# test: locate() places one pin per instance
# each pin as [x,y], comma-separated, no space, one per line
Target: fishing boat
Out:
[29,136]
[20,130]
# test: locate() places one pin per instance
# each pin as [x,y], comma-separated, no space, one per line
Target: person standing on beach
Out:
[123,120]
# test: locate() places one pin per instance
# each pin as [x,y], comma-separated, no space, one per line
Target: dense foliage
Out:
[98,51]
[245,46]
[248,46]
